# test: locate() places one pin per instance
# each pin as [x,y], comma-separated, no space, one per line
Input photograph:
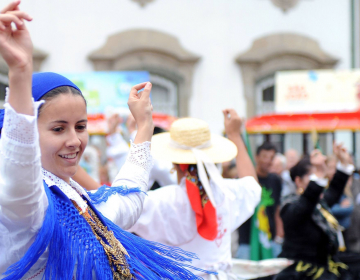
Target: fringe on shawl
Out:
[103,193]
[71,248]
[43,238]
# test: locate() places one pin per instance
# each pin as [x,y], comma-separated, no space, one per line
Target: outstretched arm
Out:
[125,210]
[233,124]
[23,201]
[246,190]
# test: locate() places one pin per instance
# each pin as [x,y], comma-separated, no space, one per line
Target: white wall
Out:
[216,30]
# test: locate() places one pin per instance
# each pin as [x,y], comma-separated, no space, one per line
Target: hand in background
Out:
[113,122]
[341,154]
[232,123]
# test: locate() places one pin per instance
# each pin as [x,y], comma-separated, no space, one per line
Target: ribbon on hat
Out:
[201,195]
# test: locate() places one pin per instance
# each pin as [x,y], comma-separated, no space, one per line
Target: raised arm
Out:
[125,210]
[246,190]
[16,49]
[22,198]
[343,172]
[233,124]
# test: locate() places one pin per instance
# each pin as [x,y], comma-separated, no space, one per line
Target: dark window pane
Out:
[268,94]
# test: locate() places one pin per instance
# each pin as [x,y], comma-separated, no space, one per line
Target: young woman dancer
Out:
[49,226]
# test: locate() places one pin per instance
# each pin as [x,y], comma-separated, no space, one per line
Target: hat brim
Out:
[221,150]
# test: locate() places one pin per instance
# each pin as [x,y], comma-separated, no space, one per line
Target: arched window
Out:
[169,64]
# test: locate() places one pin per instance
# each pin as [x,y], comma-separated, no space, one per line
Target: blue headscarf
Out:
[42,83]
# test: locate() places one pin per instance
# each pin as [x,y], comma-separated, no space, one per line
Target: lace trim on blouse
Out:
[72,190]
[140,155]
[18,129]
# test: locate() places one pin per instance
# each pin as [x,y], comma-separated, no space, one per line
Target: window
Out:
[164,96]
[265,96]
[268,94]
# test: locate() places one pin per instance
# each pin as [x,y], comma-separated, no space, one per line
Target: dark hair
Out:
[158,130]
[60,90]
[266,146]
[301,168]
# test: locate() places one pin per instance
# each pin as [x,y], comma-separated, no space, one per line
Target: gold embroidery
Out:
[334,267]
[316,272]
[301,267]
[330,218]
[319,273]
[114,250]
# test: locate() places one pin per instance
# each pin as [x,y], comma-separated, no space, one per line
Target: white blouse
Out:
[23,201]
[168,218]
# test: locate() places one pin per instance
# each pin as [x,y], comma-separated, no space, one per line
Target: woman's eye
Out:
[81,127]
[58,129]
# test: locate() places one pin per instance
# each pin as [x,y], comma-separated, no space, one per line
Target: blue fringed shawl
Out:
[73,246]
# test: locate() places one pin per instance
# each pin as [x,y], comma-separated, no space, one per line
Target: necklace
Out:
[114,250]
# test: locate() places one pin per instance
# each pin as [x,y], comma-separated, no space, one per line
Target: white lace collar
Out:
[72,190]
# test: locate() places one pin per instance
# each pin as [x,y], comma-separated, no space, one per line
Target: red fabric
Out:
[206,220]
[184,167]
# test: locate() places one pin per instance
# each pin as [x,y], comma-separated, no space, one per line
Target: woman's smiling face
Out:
[62,126]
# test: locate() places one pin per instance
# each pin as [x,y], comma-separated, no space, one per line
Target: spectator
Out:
[278,165]
[312,234]
[263,232]
[292,158]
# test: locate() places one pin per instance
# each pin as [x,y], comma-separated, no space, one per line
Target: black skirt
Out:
[346,266]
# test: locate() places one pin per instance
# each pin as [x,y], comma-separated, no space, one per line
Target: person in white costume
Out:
[200,214]
[50,227]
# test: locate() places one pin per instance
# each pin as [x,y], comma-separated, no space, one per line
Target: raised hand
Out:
[341,153]
[16,49]
[141,109]
[113,122]
[15,43]
[232,122]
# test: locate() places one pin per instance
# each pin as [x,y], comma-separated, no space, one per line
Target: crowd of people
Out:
[176,197]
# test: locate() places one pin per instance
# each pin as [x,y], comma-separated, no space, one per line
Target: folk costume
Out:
[200,213]
[50,229]
[312,234]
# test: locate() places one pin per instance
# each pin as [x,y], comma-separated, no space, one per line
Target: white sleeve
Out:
[167,217]
[23,201]
[247,195]
[125,210]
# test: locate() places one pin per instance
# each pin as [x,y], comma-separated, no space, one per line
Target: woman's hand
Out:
[15,43]
[141,109]
[16,49]
[341,154]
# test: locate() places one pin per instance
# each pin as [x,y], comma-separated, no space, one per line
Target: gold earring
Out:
[172,170]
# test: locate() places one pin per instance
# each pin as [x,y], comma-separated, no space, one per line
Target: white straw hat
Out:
[189,133]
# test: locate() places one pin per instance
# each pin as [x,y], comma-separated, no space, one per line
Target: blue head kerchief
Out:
[42,83]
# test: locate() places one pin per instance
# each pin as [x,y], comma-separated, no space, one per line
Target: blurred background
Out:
[205,55]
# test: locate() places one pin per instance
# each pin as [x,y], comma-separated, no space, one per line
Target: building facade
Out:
[203,56]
